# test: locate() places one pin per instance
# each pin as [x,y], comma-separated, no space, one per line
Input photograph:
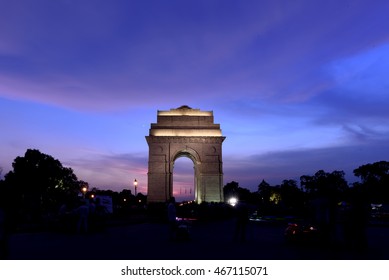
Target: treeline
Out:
[39,185]
[292,197]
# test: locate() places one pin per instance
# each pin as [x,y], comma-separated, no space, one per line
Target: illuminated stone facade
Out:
[185,132]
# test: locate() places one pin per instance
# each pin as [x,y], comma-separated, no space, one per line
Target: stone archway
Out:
[185,132]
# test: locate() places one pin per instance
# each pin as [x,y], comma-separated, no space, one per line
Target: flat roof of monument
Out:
[185,110]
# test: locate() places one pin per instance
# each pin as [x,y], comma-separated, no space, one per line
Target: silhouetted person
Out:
[66,221]
[92,219]
[172,217]
[242,219]
[82,214]
[100,215]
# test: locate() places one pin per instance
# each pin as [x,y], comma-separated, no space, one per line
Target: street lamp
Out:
[84,190]
[135,185]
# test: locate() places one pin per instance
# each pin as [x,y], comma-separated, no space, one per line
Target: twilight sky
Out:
[296,86]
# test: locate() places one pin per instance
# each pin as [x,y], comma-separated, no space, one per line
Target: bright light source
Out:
[233,201]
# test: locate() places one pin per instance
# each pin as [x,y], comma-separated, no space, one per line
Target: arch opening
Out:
[184,179]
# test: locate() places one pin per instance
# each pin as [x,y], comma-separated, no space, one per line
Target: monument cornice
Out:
[186,139]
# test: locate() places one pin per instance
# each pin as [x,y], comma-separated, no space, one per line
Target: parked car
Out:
[301,232]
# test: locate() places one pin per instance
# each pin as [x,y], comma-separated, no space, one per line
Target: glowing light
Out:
[233,201]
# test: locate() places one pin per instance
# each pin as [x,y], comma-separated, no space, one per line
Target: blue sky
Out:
[296,86]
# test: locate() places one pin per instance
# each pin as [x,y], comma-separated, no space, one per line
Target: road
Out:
[211,240]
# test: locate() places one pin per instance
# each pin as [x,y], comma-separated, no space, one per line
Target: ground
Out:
[209,240]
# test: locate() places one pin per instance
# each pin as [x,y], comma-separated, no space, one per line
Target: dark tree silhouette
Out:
[291,196]
[38,184]
[264,191]
[375,178]
[325,184]
[230,190]
[269,198]
[324,191]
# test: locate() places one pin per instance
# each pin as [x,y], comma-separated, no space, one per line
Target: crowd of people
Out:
[87,216]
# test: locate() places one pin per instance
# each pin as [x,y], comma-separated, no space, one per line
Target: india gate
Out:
[185,132]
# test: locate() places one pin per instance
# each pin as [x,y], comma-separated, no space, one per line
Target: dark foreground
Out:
[211,240]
